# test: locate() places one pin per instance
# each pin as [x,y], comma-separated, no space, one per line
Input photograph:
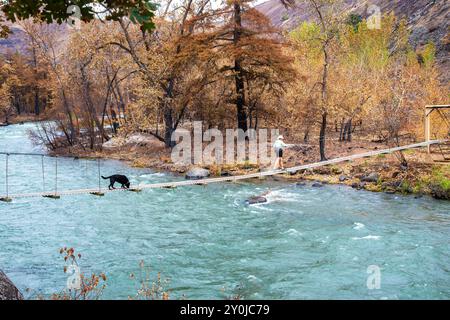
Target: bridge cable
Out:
[99,177]
[43,174]
[7,169]
[56,176]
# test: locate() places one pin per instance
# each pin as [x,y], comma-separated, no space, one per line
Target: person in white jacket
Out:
[278,147]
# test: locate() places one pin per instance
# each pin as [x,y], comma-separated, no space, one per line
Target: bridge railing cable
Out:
[26,154]
[175,184]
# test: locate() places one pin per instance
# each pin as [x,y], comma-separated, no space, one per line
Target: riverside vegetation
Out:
[333,83]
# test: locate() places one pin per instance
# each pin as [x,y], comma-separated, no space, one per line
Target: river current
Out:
[305,243]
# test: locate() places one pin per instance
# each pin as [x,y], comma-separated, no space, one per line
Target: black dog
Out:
[123,180]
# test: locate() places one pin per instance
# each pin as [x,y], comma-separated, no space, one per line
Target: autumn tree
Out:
[375,77]
[248,57]
[320,39]
[48,40]
[156,56]
[408,83]
[8,80]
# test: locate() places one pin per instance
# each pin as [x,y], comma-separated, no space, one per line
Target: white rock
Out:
[197,173]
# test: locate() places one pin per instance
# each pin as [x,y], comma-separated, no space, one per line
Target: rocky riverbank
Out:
[8,290]
[418,178]
[21,119]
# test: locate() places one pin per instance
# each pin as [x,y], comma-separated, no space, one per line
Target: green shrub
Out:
[439,182]
[441,176]
[405,187]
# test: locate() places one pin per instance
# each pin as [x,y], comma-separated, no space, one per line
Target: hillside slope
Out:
[16,41]
[428,20]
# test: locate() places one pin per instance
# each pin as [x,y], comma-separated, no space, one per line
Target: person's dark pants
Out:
[280,153]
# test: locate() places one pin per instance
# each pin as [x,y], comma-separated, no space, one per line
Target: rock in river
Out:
[256,200]
[197,173]
[8,290]
[317,185]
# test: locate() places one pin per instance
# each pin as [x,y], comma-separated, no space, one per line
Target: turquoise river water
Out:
[305,243]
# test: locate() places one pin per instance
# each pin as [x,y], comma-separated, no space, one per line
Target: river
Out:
[305,243]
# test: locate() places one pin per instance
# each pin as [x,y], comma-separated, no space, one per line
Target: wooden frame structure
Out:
[428,111]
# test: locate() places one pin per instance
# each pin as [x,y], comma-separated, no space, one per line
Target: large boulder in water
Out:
[8,290]
[256,200]
[197,174]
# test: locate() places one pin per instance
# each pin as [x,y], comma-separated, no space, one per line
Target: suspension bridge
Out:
[56,194]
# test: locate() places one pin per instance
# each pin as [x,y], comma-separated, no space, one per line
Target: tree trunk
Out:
[71,137]
[37,110]
[238,74]
[36,88]
[256,120]
[168,115]
[121,99]
[90,105]
[341,132]
[17,101]
[349,130]
[240,98]
[306,136]
[169,123]
[168,126]
[323,129]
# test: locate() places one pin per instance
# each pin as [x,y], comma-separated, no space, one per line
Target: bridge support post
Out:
[7,198]
[54,195]
[428,112]
[99,193]
[429,109]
